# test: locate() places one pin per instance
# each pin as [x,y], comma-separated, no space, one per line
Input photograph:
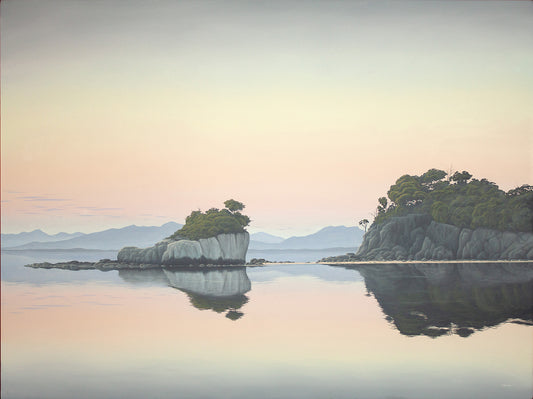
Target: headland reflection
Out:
[441,299]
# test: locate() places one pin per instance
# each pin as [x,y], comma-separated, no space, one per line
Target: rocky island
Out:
[223,249]
[216,237]
[438,216]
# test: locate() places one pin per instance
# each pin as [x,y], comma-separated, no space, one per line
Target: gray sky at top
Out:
[35,31]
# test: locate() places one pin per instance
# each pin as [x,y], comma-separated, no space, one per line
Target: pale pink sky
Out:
[115,115]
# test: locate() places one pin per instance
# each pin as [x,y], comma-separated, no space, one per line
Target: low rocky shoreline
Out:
[107,264]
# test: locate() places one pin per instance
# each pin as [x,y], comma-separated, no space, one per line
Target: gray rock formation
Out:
[418,237]
[151,255]
[224,249]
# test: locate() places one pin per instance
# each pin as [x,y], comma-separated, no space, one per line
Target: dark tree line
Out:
[459,200]
[213,222]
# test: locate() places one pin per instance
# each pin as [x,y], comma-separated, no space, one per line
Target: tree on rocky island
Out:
[431,179]
[383,202]
[407,191]
[460,201]
[364,223]
[523,189]
[461,177]
[214,222]
[233,206]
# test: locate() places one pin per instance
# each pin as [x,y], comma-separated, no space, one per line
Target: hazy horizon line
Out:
[255,230]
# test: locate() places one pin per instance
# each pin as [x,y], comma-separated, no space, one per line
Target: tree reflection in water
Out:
[431,299]
[442,299]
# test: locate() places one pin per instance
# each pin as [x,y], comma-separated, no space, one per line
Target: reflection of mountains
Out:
[438,299]
[220,289]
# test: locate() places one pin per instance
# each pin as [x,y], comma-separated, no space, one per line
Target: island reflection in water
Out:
[417,299]
[309,328]
[441,299]
[219,289]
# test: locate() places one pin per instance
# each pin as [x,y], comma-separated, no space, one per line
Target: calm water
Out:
[287,331]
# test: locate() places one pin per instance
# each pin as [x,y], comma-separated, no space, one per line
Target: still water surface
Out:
[287,331]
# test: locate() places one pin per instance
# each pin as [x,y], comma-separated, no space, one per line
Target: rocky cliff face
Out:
[418,237]
[224,249]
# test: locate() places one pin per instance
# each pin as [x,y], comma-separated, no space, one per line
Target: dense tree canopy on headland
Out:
[459,200]
[214,221]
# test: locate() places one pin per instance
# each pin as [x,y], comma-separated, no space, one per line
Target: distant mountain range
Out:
[135,236]
[266,238]
[328,237]
[13,240]
[145,236]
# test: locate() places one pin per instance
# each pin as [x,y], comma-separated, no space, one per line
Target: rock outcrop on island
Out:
[224,249]
[418,237]
[448,216]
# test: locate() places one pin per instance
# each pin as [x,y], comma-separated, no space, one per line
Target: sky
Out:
[132,112]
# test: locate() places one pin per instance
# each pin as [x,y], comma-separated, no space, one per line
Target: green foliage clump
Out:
[364,223]
[214,222]
[459,200]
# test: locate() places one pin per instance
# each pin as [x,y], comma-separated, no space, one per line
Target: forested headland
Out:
[460,200]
